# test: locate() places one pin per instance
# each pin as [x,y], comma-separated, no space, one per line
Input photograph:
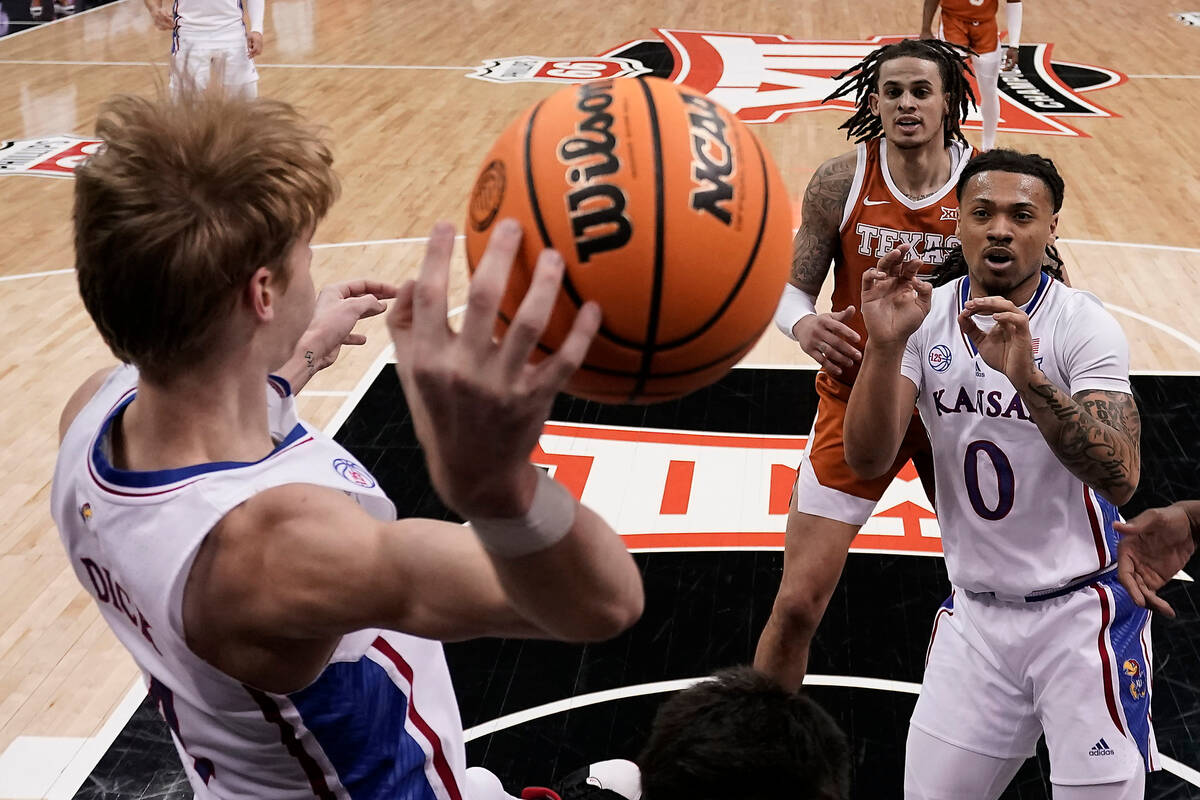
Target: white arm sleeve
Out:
[256,8]
[1095,352]
[1013,12]
[794,305]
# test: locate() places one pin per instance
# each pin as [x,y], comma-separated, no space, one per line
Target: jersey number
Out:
[1005,480]
[164,698]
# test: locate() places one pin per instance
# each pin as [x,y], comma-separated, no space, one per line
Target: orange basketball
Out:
[667,211]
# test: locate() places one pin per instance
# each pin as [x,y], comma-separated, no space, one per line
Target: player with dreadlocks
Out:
[896,186]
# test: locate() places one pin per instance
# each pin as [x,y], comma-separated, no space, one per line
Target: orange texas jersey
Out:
[982,11]
[878,217]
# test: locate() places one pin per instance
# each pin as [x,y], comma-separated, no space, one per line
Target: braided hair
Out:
[863,81]
[954,265]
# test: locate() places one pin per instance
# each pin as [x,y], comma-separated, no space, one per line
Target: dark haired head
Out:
[953,66]
[741,735]
[955,265]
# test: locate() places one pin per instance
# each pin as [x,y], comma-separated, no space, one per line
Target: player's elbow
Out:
[1121,492]
[609,619]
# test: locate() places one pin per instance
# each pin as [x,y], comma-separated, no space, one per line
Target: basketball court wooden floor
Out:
[1113,98]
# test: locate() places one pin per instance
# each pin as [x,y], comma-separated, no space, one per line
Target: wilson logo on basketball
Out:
[487,196]
[767,77]
[710,171]
[596,209]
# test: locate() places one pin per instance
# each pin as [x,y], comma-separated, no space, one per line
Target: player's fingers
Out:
[357,287]
[367,305]
[555,370]
[843,331]
[1125,574]
[399,322]
[923,289]
[429,293]
[1156,603]
[354,338]
[968,326]
[891,262]
[534,312]
[912,266]
[841,351]
[488,284]
[990,305]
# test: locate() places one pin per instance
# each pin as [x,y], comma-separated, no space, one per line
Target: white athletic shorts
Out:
[1076,667]
[201,63]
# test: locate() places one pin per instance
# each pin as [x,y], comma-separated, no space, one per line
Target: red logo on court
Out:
[50,156]
[768,77]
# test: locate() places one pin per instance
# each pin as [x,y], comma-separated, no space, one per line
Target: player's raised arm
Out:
[824,337]
[1096,433]
[895,302]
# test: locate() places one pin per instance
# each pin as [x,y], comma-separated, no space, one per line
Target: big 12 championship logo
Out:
[768,77]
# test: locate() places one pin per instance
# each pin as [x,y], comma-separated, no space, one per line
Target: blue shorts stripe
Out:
[373,753]
[1130,623]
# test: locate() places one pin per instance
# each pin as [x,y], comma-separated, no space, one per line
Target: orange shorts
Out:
[982,37]
[825,484]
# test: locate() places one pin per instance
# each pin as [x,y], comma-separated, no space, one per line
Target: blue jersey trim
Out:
[148,479]
[356,713]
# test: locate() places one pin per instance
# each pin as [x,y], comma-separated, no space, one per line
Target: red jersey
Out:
[971,10]
[878,217]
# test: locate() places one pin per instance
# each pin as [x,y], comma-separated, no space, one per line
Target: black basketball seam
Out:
[567,284]
[529,187]
[649,347]
[745,274]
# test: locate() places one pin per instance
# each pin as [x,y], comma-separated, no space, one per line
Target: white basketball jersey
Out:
[1014,521]
[202,24]
[380,721]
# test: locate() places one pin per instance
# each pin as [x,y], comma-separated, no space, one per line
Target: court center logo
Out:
[49,156]
[769,77]
[353,473]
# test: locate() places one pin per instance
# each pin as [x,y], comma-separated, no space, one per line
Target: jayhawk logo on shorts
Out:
[1137,684]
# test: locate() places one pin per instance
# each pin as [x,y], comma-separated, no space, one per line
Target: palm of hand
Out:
[1002,351]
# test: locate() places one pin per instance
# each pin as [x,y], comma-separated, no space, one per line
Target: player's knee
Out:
[798,609]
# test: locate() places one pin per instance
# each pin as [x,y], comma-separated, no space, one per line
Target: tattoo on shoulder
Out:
[816,241]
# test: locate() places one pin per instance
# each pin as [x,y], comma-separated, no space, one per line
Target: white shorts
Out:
[1076,667]
[199,64]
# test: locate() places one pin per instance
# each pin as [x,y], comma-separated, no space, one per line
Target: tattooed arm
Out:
[1095,434]
[817,240]
[825,337]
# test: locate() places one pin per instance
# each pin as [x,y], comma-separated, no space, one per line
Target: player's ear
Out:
[1053,237]
[873,103]
[261,292]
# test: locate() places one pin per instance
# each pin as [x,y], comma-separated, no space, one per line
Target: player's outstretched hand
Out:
[1154,546]
[338,309]
[894,300]
[254,44]
[478,404]
[1007,346]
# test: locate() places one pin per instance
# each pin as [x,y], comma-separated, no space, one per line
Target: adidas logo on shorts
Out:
[1101,748]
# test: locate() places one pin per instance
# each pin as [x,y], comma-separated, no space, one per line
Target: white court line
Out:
[1138,245]
[35,275]
[324,393]
[422,239]
[370,242]
[360,389]
[42,25]
[69,63]
[1183,771]
[1153,323]
[1167,77]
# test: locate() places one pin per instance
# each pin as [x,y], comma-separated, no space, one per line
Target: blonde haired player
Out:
[288,626]
[209,38]
[972,23]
